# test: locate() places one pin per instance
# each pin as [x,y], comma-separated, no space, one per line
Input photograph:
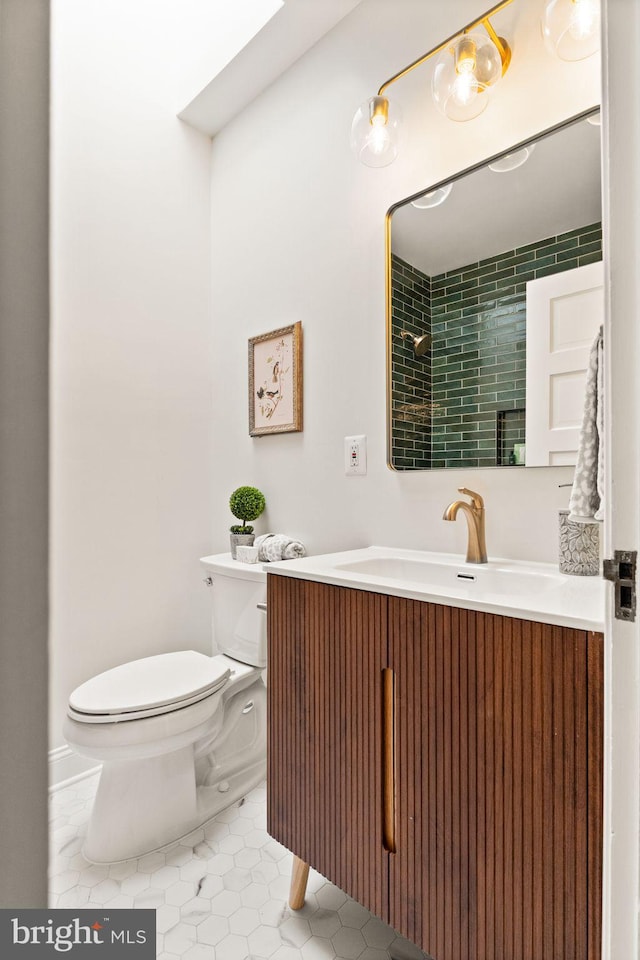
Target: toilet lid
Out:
[148,687]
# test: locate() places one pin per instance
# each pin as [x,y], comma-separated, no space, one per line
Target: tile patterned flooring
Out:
[220,893]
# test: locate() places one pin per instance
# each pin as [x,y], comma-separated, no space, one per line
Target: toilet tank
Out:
[239,626]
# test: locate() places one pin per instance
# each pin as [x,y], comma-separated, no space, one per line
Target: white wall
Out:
[132,436]
[298,234]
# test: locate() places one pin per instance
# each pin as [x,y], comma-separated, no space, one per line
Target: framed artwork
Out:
[275,382]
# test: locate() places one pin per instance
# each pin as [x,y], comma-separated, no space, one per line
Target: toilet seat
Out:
[148,687]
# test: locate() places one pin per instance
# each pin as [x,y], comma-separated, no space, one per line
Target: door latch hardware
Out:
[621,571]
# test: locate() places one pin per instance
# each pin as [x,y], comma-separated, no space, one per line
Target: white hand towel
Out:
[278,546]
[586,503]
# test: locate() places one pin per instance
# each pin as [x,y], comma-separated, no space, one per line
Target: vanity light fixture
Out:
[511,161]
[466,71]
[374,131]
[433,198]
[469,64]
[571,28]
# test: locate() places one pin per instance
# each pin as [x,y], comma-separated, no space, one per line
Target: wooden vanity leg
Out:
[299,877]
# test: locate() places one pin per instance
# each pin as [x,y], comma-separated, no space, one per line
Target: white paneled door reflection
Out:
[564,313]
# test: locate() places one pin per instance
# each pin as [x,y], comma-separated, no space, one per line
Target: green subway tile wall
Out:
[446,407]
[410,375]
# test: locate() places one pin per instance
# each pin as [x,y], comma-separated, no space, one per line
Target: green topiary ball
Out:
[247,503]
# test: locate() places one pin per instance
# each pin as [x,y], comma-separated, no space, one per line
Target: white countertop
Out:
[511,588]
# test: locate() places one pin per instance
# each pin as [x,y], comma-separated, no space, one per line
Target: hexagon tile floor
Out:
[220,893]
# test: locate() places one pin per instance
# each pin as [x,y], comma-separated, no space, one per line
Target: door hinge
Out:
[622,573]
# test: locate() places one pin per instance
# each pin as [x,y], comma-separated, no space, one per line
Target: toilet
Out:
[180,735]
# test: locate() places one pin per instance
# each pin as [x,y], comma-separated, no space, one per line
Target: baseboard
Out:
[67,767]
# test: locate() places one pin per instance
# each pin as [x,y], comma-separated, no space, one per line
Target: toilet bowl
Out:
[180,735]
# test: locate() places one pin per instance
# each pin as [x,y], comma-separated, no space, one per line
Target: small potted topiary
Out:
[245,503]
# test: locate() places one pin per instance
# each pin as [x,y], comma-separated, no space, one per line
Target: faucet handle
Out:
[478,502]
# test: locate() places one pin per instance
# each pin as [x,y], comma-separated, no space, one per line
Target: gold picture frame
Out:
[275,381]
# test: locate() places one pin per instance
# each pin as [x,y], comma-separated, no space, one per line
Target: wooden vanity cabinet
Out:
[327,648]
[498,785]
[496,793]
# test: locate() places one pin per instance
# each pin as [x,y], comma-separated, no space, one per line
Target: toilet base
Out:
[144,804]
[147,826]
[141,805]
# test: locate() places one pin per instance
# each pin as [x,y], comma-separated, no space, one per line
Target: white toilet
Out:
[181,735]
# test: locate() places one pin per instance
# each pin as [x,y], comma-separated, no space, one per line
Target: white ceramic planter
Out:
[240,540]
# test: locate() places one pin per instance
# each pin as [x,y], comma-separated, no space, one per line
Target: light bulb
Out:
[571,28]
[465,56]
[374,132]
[585,20]
[464,74]
[465,89]
[378,139]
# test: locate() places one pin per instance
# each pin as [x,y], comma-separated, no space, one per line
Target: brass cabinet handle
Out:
[388,761]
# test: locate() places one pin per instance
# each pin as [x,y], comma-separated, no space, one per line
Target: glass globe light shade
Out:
[511,161]
[463,75]
[571,28]
[433,198]
[375,132]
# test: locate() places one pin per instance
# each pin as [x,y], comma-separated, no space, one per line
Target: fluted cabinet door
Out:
[498,771]
[327,649]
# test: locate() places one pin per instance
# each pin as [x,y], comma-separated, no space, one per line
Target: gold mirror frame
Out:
[543,135]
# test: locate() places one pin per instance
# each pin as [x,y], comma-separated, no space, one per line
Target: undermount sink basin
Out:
[477,578]
[529,591]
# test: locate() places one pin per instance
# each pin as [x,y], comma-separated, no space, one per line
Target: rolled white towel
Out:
[278,546]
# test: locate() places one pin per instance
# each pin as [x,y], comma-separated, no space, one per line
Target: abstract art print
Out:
[275,381]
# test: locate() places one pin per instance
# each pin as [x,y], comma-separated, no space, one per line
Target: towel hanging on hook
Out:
[586,503]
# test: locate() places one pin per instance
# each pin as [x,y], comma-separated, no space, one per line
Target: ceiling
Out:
[487,213]
[287,36]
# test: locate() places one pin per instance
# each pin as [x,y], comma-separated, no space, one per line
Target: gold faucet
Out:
[474,512]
